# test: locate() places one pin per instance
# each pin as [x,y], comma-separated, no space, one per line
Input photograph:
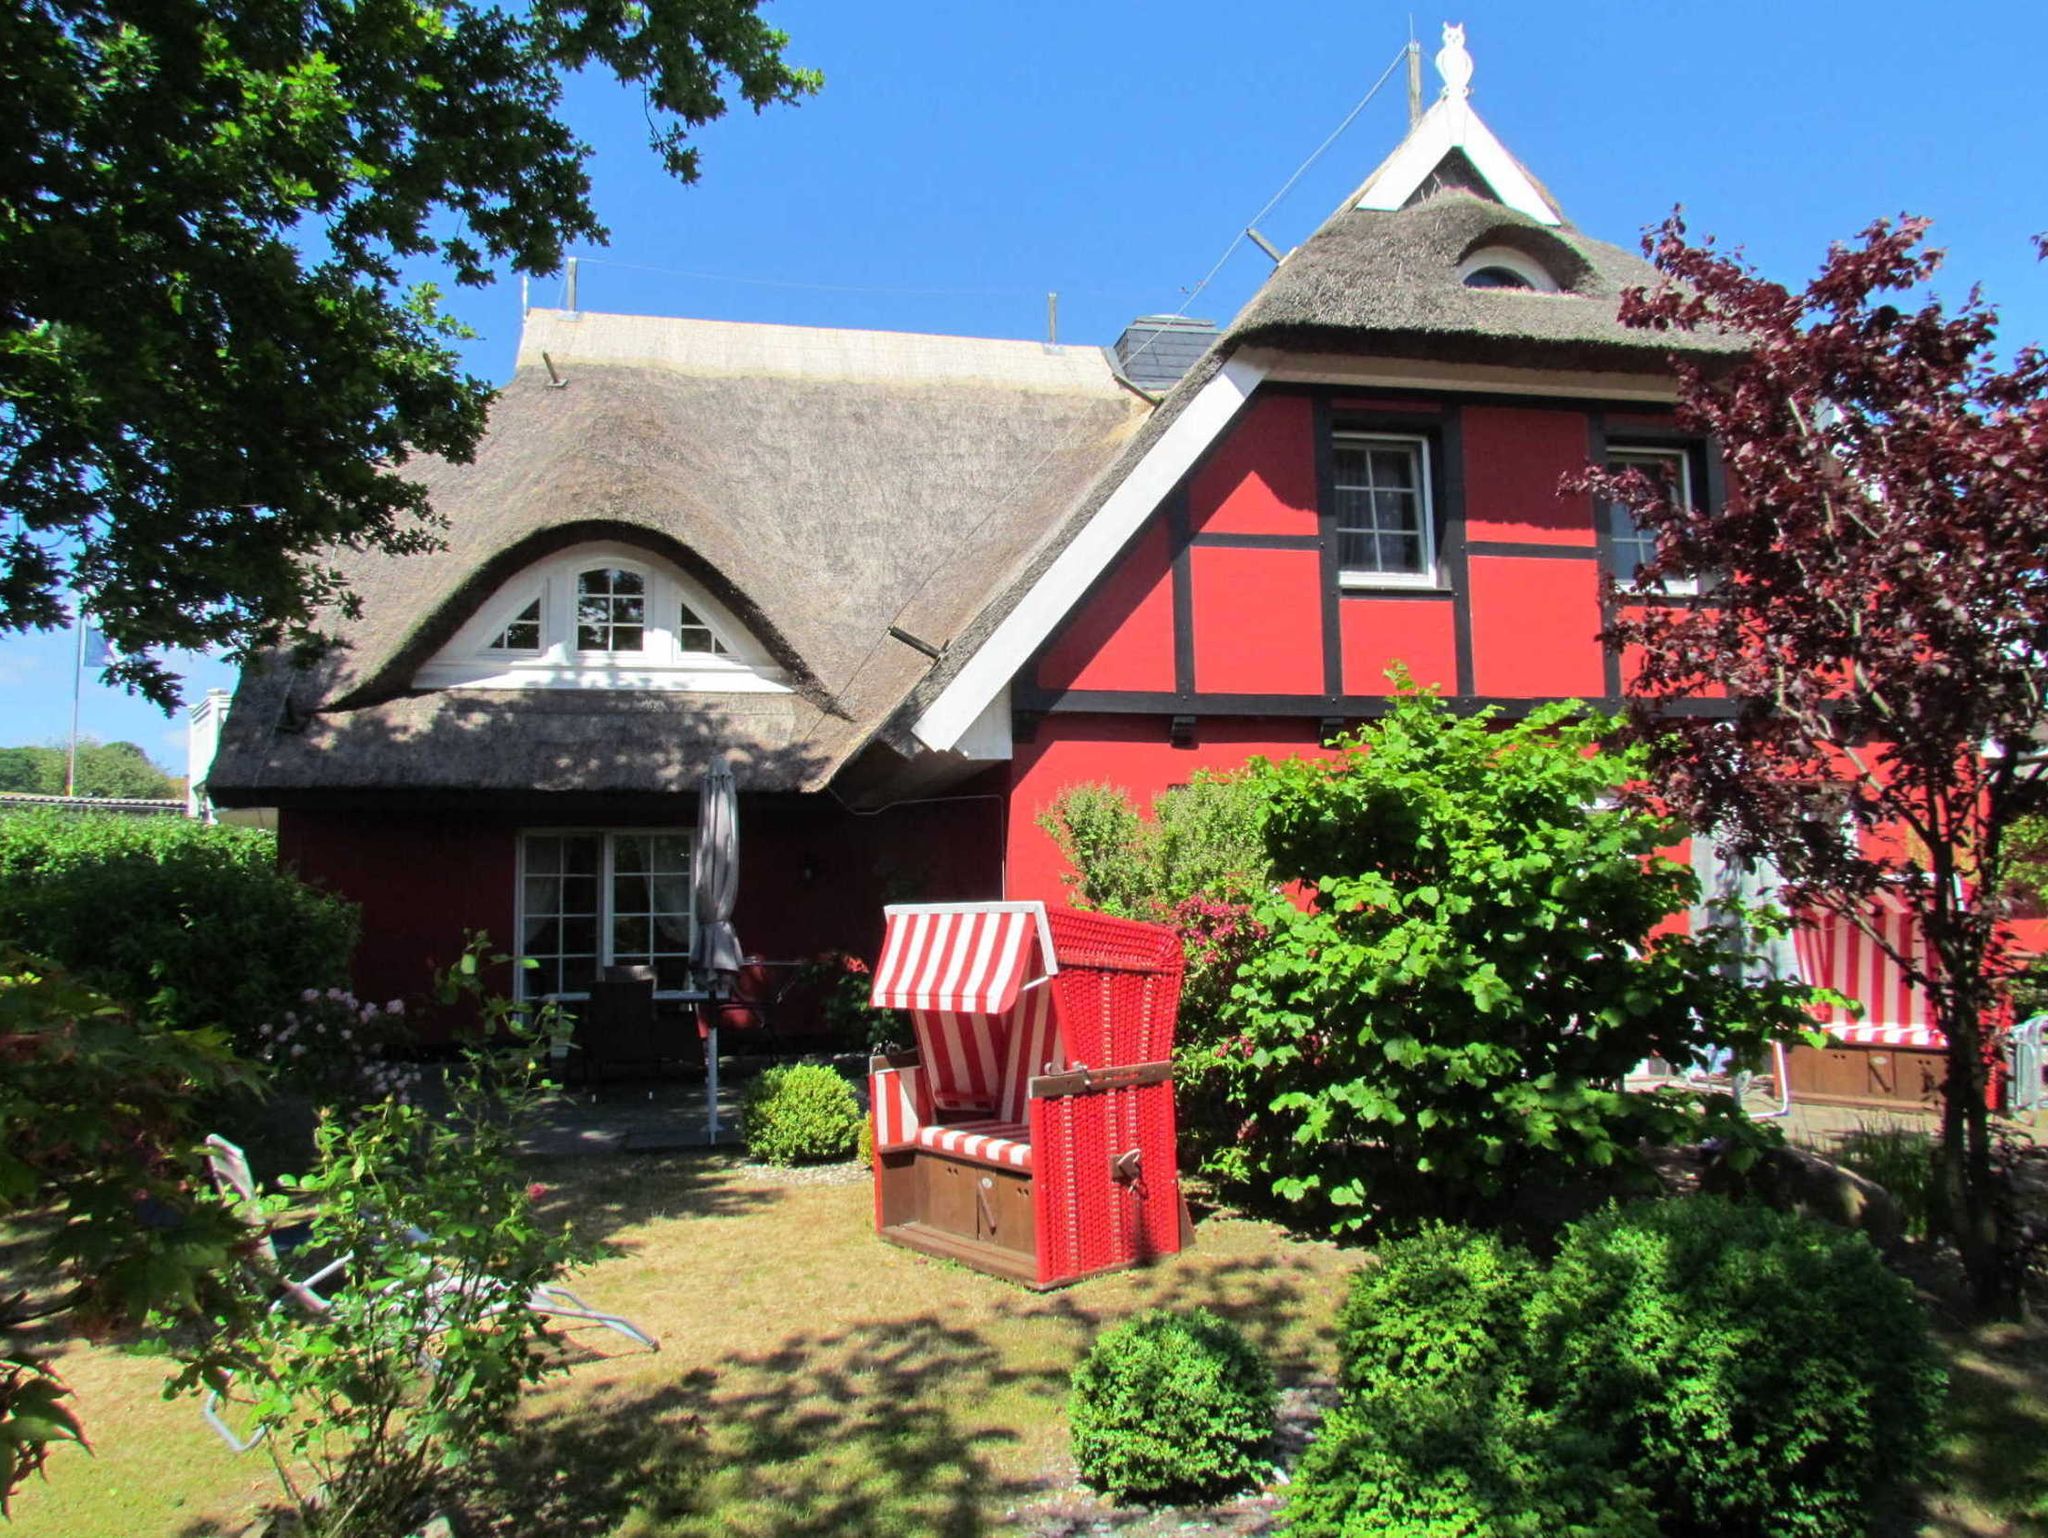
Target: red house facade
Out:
[913,587]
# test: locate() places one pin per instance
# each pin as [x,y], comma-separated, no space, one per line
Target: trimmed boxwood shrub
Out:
[801,1113]
[1682,1368]
[1760,1373]
[193,925]
[1170,1406]
[1441,1432]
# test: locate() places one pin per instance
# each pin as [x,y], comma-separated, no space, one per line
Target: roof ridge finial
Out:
[1454,63]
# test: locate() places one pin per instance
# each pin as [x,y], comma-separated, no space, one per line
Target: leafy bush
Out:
[1170,1406]
[1759,1373]
[1202,839]
[1440,1431]
[1440,1312]
[99,1125]
[418,1362]
[1682,1368]
[194,926]
[1195,864]
[338,1050]
[1450,1015]
[801,1113]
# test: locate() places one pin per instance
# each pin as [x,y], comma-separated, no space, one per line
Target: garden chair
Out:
[232,1176]
[1031,1135]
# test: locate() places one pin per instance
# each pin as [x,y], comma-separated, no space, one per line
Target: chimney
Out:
[1155,350]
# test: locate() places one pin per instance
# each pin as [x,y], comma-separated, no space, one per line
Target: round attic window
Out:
[1500,267]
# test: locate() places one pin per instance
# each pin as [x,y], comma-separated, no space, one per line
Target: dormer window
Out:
[1505,267]
[611,610]
[522,634]
[693,635]
[603,616]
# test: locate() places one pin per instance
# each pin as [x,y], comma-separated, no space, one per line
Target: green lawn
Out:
[813,1380]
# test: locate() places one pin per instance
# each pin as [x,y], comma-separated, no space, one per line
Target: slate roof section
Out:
[823,484]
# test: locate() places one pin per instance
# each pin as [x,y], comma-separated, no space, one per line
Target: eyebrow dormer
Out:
[603,615]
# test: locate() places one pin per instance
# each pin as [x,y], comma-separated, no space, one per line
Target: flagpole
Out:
[77,688]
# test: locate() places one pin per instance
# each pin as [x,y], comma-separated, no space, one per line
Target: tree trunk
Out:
[1969,1183]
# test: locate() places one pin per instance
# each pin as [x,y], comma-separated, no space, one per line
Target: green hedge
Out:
[1681,1369]
[194,925]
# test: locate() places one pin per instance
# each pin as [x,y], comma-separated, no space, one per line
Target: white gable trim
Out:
[1024,629]
[1449,125]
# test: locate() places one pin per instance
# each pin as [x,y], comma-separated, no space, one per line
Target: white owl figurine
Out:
[1453,63]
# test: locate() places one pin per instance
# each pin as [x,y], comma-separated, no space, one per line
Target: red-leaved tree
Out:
[1874,610]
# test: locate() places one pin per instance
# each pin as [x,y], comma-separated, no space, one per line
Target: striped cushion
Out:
[1005,1143]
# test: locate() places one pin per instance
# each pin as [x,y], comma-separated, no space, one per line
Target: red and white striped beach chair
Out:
[1892,1052]
[1032,1133]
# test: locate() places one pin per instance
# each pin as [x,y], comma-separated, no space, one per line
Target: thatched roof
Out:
[823,484]
[1386,284]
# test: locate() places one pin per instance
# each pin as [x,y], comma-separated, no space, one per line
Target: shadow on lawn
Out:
[602,1194]
[830,1433]
[1282,1304]
[1997,1429]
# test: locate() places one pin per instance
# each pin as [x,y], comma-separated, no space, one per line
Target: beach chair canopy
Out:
[973,977]
[1835,952]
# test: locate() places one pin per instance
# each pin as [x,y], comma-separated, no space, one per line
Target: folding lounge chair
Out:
[231,1174]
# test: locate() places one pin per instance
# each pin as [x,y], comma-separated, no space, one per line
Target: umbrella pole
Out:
[711,1083]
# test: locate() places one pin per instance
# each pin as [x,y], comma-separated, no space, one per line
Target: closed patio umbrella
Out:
[715,958]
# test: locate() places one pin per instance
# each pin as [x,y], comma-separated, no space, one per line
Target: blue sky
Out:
[964,160]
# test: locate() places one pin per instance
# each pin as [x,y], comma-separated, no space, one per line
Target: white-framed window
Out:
[1504,267]
[1386,521]
[1630,546]
[611,609]
[591,898]
[603,616]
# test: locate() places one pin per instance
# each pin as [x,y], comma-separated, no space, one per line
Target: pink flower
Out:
[536,1191]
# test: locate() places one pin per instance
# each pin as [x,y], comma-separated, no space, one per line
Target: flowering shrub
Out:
[336,1050]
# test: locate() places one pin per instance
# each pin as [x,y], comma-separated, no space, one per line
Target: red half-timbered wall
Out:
[1224,630]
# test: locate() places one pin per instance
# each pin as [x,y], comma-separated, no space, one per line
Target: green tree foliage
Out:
[114,770]
[97,1174]
[1451,1010]
[1876,627]
[1169,1406]
[192,925]
[427,1341]
[211,369]
[1682,1369]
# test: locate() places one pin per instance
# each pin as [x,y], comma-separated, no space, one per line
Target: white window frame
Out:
[471,661]
[1428,577]
[1618,456]
[1523,266]
[606,947]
